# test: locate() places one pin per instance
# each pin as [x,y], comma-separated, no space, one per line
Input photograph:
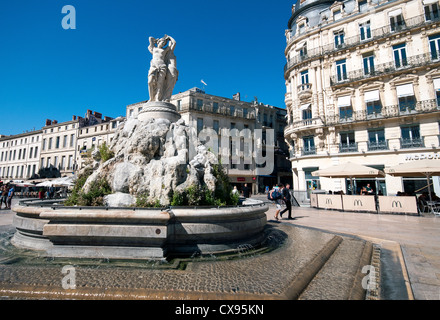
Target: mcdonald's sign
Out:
[396,204]
[357,203]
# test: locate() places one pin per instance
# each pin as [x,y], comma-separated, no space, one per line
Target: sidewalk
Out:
[419,239]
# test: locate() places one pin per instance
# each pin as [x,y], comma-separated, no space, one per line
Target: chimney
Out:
[73,118]
[54,121]
[48,122]
[97,115]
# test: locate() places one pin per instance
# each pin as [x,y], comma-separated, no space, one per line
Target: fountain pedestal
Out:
[158,110]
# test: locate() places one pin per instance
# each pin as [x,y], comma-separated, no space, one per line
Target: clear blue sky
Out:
[47,72]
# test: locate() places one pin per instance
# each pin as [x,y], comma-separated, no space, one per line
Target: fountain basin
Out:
[136,233]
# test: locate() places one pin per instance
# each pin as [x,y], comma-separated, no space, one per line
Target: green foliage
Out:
[202,196]
[105,152]
[142,202]
[95,197]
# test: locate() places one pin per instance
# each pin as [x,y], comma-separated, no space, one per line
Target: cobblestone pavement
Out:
[255,275]
[418,236]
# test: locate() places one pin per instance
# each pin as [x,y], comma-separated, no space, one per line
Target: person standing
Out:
[3,196]
[287,200]
[246,191]
[11,192]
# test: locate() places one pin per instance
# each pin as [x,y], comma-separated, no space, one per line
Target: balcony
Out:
[411,143]
[416,61]
[308,151]
[348,147]
[353,41]
[393,111]
[378,145]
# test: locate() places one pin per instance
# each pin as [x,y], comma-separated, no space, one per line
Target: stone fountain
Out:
[155,156]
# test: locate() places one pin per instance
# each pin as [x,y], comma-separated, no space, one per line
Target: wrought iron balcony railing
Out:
[378,145]
[348,147]
[411,143]
[372,35]
[308,151]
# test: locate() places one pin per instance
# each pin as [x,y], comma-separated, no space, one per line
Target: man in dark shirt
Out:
[246,191]
[287,200]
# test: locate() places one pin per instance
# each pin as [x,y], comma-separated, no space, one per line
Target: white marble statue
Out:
[163,73]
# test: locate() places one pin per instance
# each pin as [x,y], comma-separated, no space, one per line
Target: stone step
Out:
[340,278]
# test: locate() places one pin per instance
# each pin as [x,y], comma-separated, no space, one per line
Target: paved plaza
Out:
[416,238]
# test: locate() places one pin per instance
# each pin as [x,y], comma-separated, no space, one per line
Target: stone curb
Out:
[305,276]
[357,292]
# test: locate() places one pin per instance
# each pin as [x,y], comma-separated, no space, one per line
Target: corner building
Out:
[363,86]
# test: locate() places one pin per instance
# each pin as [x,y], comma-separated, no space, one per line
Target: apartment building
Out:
[20,155]
[362,85]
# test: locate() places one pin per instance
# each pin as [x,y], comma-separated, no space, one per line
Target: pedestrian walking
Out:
[276,197]
[246,191]
[287,200]
[4,196]
[11,193]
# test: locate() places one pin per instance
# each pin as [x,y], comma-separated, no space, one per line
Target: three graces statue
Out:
[163,73]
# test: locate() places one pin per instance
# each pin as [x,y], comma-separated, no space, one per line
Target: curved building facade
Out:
[363,86]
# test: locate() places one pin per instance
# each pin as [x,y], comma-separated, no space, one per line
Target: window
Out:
[199,104]
[431,12]
[216,126]
[232,110]
[72,140]
[57,143]
[341,70]
[365,31]
[215,107]
[368,60]
[245,112]
[437,90]
[305,80]
[179,105]
[372,101]
[346,113]
[50,143]
[303,51]
[407,100]
[199,125]
[307,113]
[44,144]
[376,140]
[348,143]
[434,45]
[400,59]
[363,6]
[411,137]
[65,142]
[337,14]
[36,152]
[309,145]
[301,28]
[396,20]
[339,39]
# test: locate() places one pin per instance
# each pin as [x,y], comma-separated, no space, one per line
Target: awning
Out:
[305,106]
[372,96]
[405,90]
[395,13]
[426,2]
[344,101]
[437,84]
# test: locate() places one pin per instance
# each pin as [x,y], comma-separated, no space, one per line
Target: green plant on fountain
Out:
[95,197]
[199,182]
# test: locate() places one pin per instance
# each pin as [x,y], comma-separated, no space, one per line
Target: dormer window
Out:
[337,14]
